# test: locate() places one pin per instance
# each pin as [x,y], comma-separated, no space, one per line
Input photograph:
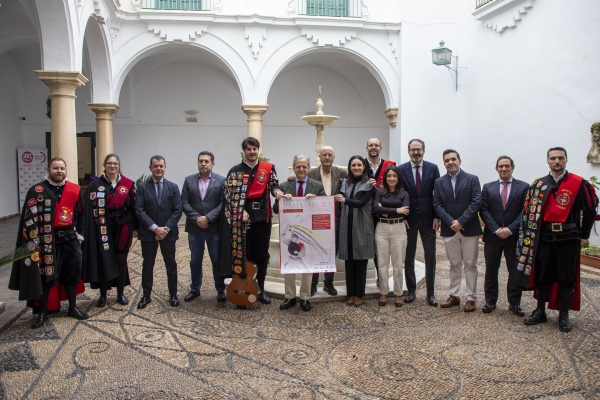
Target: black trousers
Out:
[428,239]
[328,280]
[356,277]
[149,250]
[556,262]
[258,238]
[67,264]
[493,256]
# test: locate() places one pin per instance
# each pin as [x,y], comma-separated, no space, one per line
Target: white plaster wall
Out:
[522,91]
[11,133]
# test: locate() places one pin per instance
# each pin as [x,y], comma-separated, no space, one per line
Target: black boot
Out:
[328,287]
[101,301]
[39,320]
[121,299]
[77,314]
[563,322]
[263,298]
[537,317]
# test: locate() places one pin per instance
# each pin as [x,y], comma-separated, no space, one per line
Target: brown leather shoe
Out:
[452,301]
[357,301]
[517,310]
[470,306]
[350,301]
[488,308]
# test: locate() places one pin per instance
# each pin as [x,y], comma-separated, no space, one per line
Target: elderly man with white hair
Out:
[302,185]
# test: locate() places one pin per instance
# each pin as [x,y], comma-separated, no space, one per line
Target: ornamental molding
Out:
[180,31]
[256,35]
[323,37]
[499,15]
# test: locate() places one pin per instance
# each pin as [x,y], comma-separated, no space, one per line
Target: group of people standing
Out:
[381,209]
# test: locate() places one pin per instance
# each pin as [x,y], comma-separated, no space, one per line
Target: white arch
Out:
[96,40]
[145,45]
[58,36]
[359,51]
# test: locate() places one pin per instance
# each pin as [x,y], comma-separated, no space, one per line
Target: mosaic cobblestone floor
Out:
[206,350]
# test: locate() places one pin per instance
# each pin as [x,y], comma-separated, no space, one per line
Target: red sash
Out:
[386,164]
[121,193]
[557,208]
[63,215]
[255,191]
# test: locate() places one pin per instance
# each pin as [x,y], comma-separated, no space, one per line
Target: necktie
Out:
[159,191]
[504,194]
[300,190]
[418,178]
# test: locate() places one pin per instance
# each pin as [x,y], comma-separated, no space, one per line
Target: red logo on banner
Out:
[27,157]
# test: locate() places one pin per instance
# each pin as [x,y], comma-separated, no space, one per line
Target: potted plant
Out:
[590,255]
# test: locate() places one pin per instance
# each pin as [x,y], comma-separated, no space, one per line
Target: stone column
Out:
[255,113]
[392,114]
[64,132]
[104,134]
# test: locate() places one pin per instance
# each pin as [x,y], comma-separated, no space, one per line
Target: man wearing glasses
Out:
[419,176]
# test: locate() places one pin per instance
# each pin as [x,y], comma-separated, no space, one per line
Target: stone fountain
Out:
[320,121]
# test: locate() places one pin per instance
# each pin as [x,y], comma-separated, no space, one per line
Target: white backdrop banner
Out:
[32,164]
[307,235]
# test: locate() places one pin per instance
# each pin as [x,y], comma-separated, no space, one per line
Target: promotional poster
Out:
[307,235]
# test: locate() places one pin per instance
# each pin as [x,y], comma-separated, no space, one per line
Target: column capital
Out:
[103,110]
[62,78]
[392,114]
[255,108]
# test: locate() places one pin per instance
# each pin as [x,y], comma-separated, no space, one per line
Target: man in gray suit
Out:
[302,185]
[158,208]
[331,178]
[201,201]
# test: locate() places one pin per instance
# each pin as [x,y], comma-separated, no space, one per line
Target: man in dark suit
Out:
[201,202]
[502,203]
[457,201]
[158,208]
[301,186]
[331,178]
[419,177]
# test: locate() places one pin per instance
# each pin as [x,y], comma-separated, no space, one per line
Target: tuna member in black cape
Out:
[52,222]
[110,227]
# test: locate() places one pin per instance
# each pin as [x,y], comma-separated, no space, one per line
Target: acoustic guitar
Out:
[243,289]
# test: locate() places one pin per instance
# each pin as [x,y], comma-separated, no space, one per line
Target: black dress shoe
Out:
[517,310]
[144,301]
[221,298]
[313,290]
[563,322]
[382,303]
[305,305]
[121,299]
[287,304]
[410,298]
[101,302]
[191,295]
[39,320]
[537,317]
[77,314]
[398,304]
[488,308]
[174,302]
[330,290]
[432,301]
[263,298]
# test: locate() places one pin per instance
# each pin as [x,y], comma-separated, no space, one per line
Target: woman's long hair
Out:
[399,189]
[364,177]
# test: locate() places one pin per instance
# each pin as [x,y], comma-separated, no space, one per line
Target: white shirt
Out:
[508,187]
[414,170]
[154,181]
[374,167]
[559,177]
[326,180]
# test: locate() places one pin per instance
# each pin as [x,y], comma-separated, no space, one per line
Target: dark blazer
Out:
[494,216]
[464,208]
[194,207]
[289,187]
[337,174]
[429,174]
[149,212]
